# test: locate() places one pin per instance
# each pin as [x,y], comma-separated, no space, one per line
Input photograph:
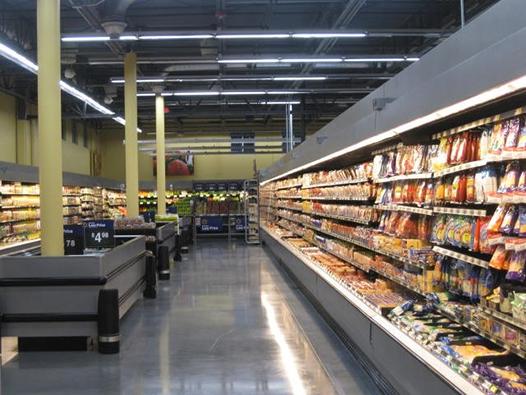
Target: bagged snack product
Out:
[512,138]
[439,161]
[497,218]
[516,267]
[484,144]
[511,178]
[498,137]
[500,259]
[509,220]
[521,142]
[522,221]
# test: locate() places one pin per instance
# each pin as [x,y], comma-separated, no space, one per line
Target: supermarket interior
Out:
[340,207]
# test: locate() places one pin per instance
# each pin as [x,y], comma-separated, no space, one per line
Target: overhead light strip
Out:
[230,93]
[29,65]
[218,36]
[474,101]
[120,80]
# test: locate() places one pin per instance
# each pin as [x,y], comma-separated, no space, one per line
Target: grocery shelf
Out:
[288,208]
[18,194]
[370,248]
[289,197]
[17,207]
[411,367]
[343,258]
[289,187]
[503,317]
[341,218]
[10,221]
[460,256]
[461,167]
[460,211]
[400,207]
[338,199]
[336,183]
[482,332]
[515,199]
[289,219]
[404,177]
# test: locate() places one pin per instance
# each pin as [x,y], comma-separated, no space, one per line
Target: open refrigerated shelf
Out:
[408,365]
[442,201]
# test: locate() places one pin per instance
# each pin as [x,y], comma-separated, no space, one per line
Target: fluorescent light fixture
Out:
[328,35]
[241,93]
[175,79]
[255,35]
[271,103]
[128,38]
[285,92]
[122,121]
[196,93]
[85,98]
[80,39]
[474,101]
[299,78]
[17,58]
[176,37]
[119,120]
[270,60]
[27,64]
[380,59]
[224,93]
[311,60]
[139,80]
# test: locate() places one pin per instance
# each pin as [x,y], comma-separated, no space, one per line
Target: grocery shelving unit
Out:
[20,202]
[332,232]
[251,189]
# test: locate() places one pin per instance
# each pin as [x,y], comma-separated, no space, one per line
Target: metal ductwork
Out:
[114,16]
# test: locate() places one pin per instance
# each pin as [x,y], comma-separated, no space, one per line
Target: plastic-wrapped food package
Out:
[497,218]
[509,220]
[500,259]
[439,161]
[498,138]
[521,141]
[511,178]
[484,144]
[512,138]
[516,267]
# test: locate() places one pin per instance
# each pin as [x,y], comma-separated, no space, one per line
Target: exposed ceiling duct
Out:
[114,16]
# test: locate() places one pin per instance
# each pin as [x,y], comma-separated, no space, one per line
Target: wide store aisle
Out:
[229,322]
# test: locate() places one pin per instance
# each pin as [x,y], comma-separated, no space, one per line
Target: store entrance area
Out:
[228,322]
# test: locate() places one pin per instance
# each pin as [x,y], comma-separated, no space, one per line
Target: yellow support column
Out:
[161,164]
[132,153]
[49,126]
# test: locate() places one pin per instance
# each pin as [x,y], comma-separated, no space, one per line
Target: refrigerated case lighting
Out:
[484,97]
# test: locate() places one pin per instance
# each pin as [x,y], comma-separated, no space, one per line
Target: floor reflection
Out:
[222,325]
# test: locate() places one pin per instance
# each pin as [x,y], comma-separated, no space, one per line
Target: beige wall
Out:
[7,128]
[19,141]
[19,144]
[207,167]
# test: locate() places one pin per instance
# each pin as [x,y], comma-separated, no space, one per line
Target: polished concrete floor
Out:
[228,322]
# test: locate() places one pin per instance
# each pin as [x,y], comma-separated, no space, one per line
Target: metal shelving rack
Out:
[251,189]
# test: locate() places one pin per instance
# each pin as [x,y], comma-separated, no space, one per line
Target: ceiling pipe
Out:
[114,16]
